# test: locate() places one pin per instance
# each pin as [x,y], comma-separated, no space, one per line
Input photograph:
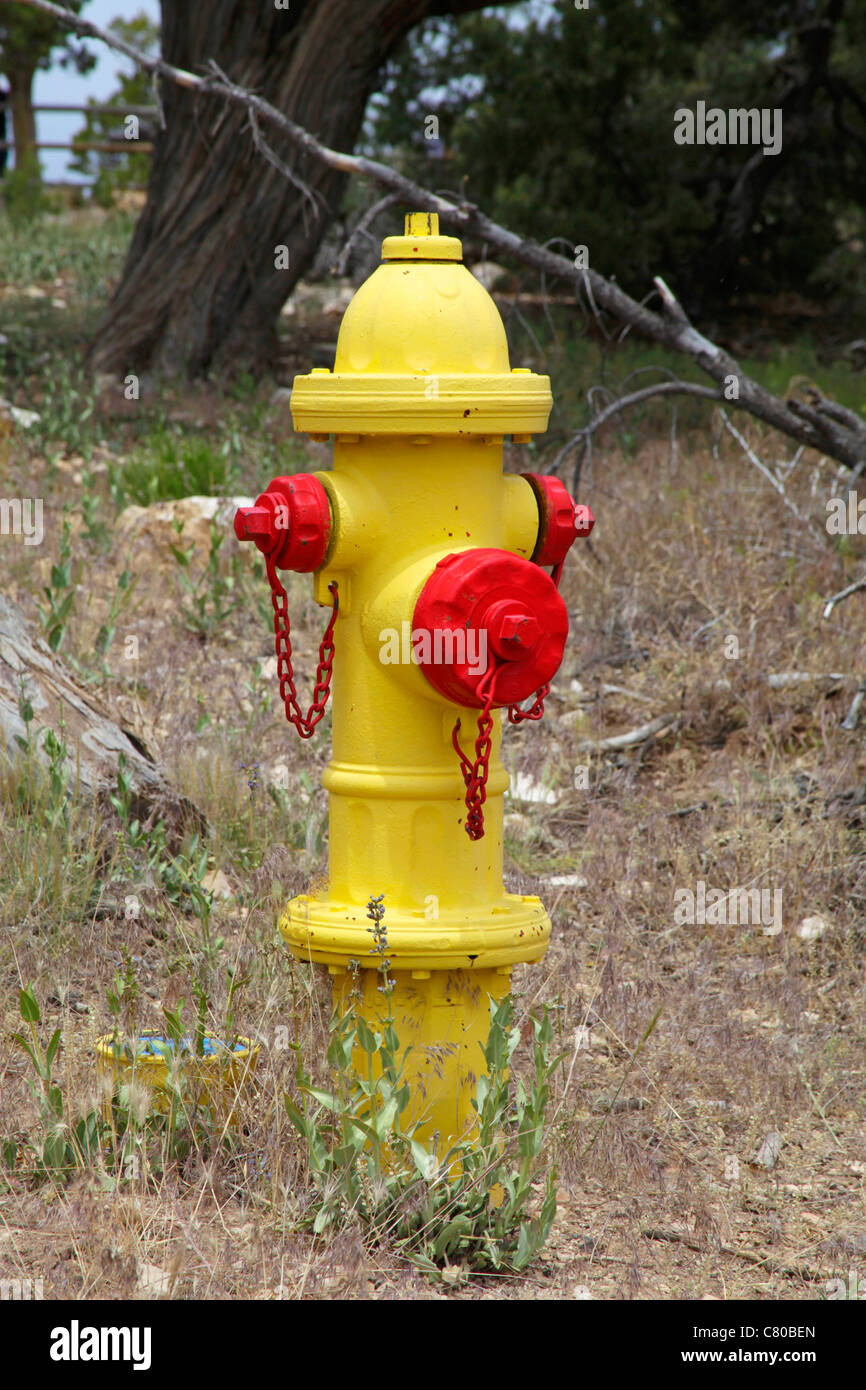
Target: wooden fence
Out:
[101,146]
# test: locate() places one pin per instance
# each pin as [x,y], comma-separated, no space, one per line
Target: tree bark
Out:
[201,287]
[21,108]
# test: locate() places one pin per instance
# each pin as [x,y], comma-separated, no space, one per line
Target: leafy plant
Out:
[22,191]
[211,595]
[60,592]
[64,1145]
[367,1165]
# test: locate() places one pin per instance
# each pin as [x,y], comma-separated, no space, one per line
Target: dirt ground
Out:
[721,1157]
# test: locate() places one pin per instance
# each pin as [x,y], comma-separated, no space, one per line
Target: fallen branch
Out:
[852,718]
[764,1261]
[661,388]
[843,594]
[764,470]
[840,434]
[663,724]
[362,229]
[778,680]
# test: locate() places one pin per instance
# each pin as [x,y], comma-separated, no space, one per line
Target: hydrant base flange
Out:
[514,930]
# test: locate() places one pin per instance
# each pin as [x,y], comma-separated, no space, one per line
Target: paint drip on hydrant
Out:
[441,576]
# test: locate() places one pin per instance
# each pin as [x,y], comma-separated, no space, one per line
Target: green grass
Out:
[174,463]
[581,368]
[88,246]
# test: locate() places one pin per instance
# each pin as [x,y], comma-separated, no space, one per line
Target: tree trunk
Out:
[21,107]
[201,287]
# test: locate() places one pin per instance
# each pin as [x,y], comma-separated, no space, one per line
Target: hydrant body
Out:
[423,526]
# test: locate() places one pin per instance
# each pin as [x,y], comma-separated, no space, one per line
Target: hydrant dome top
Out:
[421,350]
[422,311]
[421,241]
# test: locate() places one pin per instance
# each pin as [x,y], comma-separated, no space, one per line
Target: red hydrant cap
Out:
[560,519]
[482,606]
[291,522]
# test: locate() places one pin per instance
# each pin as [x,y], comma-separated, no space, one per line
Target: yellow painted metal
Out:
[216,1079]
[443,1017]
[420,399]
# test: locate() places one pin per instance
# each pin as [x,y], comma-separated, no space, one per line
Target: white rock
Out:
[24,418]
[811,928]
[155,524]
[567,881]
[768,1154]
[153,1280]
[217,884]
[525,788]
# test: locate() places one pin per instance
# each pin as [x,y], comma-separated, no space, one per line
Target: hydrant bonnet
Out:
[422,351]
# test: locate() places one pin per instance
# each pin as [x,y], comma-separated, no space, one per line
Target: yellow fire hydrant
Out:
[442,614]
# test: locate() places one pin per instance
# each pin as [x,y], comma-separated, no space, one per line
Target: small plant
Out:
[63,1145]
[23,193]
[120,597]
[60,592]
[66,411]
[174,465]
[42,791]
[366,1166]
[211,596]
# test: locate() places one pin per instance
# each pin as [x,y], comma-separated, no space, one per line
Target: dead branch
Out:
[765,1261]
[852,718]
[96,743]
[843,594]
[363,229]
[811,426]
[663,724]
[662,388]
[764,470]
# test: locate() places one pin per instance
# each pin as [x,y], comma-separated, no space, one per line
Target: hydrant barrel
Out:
[445,607]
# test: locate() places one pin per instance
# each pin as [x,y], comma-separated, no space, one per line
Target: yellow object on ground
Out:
[214,1081]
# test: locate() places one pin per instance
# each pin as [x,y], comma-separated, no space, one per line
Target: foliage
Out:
[63,1144]
[22,192]
[560,123]
[28,39]
[367,1165]
[134,1129]
[112,171]
[176,464]
[211,596]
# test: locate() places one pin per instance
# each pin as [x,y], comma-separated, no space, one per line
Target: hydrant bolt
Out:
[252,521]
[512,629]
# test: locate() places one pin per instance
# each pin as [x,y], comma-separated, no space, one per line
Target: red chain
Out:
[516,715]
[475,774]
[304,723]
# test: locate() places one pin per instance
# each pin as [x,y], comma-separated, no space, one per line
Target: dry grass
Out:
[660,1196]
